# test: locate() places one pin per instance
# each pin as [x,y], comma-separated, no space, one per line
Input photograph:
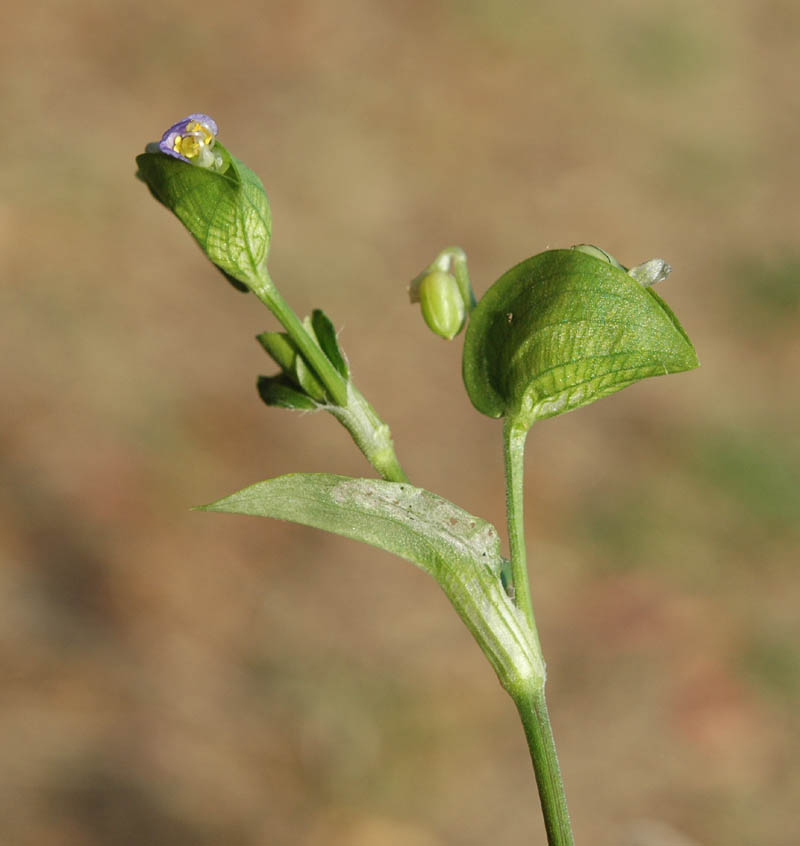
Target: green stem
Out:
[539,734]
[371,435]
[530,702]
[330,377]
[349,406]
[514,453]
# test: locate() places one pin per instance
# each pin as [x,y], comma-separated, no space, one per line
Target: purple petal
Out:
[178,130]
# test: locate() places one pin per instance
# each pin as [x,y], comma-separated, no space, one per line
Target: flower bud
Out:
[442,304]
[217,198]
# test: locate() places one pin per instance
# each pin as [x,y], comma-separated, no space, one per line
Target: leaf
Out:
[325,333]
[460,551]
[278,391]
[563,329]
[227,213]
[410,522]
[305,377]
[282,350]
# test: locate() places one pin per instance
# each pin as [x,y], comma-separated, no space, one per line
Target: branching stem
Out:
[349,406]
[329,376]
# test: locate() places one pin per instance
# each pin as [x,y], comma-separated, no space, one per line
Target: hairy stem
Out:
[371,435]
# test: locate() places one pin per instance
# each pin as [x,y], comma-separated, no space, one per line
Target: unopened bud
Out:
[442,304]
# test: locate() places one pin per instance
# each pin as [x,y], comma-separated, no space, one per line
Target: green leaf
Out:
[460,551]
[227,213]
[563,329]
[278,391]
[325,332]
[280,348]
[411,522]
[308,381]
[283,351]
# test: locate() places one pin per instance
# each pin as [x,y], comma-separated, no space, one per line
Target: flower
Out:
[192,140]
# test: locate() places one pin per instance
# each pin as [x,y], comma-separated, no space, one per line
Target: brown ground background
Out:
[172,677]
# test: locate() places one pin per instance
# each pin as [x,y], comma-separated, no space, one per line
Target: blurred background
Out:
[174,677]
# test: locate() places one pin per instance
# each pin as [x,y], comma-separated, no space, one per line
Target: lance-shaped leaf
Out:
[563,329]
[226,212]
[460,551]
[281,349]
[325,333]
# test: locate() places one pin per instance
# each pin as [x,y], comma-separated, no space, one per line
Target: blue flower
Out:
[192,140]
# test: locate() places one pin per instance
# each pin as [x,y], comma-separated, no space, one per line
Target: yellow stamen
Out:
[198,128]
[196,139]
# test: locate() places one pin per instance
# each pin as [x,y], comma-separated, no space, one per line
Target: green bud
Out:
[442,304]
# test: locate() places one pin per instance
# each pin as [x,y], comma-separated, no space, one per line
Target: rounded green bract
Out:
[563,329]
[224,208]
